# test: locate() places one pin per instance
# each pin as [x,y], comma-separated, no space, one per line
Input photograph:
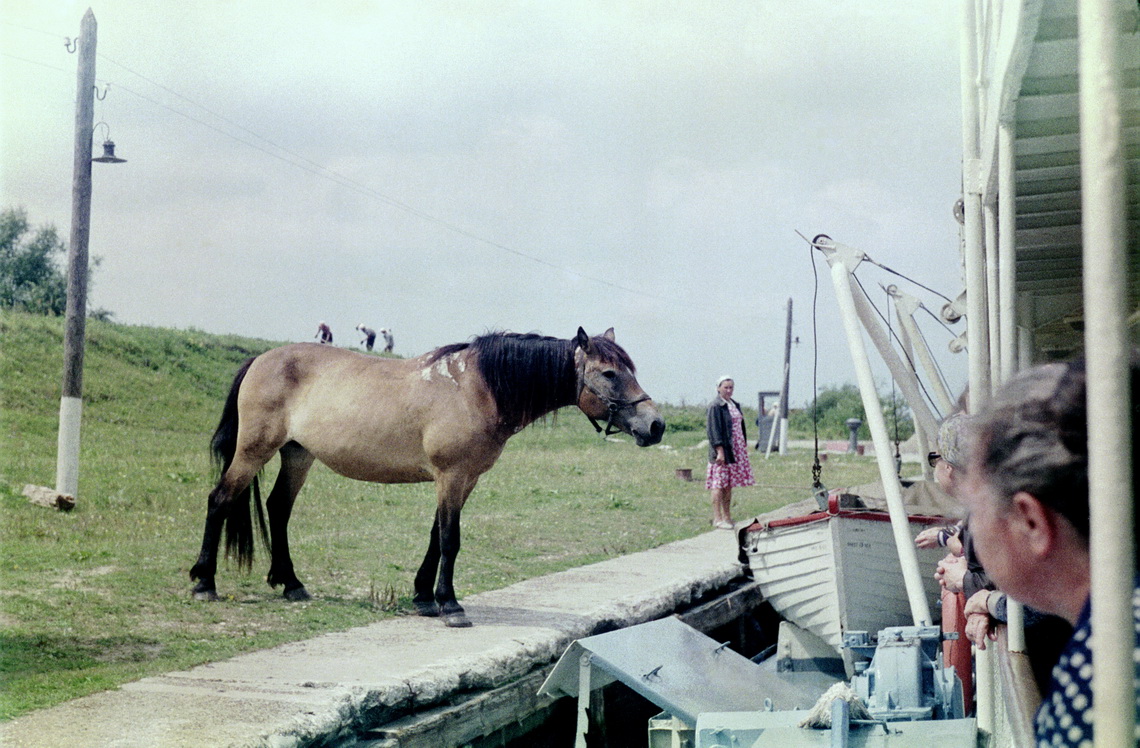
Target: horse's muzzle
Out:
[648,431]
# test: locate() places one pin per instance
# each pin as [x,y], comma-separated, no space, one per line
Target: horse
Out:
[444,417]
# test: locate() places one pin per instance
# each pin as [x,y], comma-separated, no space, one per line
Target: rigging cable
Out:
[909,361]
[909,280]
[894,394]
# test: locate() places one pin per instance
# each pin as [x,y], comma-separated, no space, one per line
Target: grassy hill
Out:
[99,596]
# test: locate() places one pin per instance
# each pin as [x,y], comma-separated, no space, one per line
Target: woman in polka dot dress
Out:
[728,453]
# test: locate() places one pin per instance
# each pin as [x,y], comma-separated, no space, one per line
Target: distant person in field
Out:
[369,336]
[324,334]
[387,339]
[728,452]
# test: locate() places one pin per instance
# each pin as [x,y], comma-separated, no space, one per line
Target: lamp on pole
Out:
[71,399]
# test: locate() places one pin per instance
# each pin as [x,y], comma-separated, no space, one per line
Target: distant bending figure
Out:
[324,334]
[369,336]
[387,339]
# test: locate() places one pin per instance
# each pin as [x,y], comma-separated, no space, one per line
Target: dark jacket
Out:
[718,424]
[975,578]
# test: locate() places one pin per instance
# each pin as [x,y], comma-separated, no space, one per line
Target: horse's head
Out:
[608,390]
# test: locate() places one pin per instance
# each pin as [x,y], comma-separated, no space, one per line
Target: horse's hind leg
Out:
[236,479]
[295,464]
[207,564]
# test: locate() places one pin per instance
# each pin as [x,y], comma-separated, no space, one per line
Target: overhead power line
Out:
[281,153]
[306,164]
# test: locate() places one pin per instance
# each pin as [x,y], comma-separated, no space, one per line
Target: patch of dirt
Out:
[77,581]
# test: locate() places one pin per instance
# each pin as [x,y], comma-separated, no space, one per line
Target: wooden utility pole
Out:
[787,383]
[71,400]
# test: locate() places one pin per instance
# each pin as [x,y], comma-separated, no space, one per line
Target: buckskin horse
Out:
[442,417]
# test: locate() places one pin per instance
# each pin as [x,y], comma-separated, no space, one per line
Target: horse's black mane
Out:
[530,375]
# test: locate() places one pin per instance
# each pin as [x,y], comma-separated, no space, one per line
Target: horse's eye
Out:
[609,374]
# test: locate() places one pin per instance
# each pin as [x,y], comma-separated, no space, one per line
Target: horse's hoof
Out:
[428,610]
[297,594]
[457,620]
[209,596]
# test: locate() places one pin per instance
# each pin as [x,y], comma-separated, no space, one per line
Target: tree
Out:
[30,278]
[834,405]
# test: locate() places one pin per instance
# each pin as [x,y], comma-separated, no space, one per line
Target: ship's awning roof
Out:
[1028,62]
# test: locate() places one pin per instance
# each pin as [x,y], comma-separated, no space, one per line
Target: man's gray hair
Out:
[1033,437]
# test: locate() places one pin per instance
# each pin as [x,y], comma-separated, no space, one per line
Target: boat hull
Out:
[834,572]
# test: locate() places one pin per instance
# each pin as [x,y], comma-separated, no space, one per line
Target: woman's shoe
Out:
[725,525]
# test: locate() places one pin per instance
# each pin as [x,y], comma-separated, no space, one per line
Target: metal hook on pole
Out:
[106,88]
[71,44]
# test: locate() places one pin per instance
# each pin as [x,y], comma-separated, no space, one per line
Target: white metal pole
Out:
[1007,317]
[977,336]
[773,430]
[1104,237]
[985,690]
[903,374]
[905,307]
[993,327]
[585,665]
[904,544]
[919,433]
[1007,254]
[781,407]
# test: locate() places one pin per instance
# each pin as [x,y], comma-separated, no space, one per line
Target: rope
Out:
[816,467]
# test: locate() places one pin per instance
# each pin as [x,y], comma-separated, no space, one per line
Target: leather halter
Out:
[613,405]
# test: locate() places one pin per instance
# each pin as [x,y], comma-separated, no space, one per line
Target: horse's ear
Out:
[609,334]
[583,340]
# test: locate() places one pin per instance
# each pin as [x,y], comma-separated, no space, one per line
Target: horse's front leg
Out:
[424,598]
[449,606]
[452,492]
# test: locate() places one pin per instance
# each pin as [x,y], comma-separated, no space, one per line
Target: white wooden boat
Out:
[835,571]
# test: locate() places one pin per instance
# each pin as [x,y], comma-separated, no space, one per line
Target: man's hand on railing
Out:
[980,626]
[950,572]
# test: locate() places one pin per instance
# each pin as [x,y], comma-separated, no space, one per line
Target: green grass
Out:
[99,596]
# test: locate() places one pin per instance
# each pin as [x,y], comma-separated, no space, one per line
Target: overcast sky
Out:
[449,168]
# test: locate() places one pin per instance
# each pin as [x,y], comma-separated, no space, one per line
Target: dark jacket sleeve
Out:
[975,578]
[719,429]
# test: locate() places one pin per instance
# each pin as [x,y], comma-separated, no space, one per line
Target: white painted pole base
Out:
[67,459]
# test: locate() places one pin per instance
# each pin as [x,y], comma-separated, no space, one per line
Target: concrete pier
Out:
[358,687]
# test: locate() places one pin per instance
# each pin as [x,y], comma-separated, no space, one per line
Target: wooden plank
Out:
[724,609]
[49,497]
[462,723]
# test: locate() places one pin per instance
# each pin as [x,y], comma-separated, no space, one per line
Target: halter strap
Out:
[613,405]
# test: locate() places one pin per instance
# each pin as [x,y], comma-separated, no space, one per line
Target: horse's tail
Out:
[223,447]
